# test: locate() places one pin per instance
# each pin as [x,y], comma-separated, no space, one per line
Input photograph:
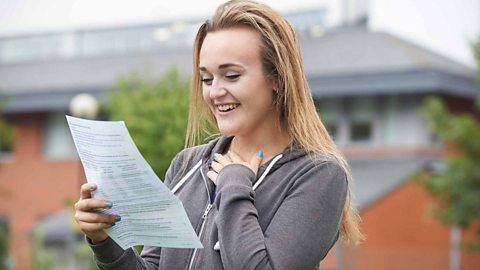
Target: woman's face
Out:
[235,86]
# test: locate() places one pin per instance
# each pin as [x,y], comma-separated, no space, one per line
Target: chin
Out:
[228,132]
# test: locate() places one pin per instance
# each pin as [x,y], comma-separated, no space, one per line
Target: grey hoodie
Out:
[289,221]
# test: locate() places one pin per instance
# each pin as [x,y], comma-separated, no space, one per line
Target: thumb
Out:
[256,160]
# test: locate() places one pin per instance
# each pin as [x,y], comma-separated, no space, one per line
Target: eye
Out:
[207,81]
[232,76]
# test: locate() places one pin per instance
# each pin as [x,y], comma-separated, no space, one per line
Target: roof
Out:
[375,177]
[348,61]
[358,50]
[56,228]
[355,61]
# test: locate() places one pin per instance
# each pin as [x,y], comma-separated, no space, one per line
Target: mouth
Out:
[227,107]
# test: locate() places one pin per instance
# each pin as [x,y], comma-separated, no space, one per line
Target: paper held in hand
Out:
[151,214]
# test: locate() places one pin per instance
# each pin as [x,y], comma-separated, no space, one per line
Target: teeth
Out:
[227,107]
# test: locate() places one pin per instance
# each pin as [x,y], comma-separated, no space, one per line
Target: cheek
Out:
[206,98]
[264,98]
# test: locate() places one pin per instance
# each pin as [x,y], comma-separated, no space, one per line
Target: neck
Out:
[271,143]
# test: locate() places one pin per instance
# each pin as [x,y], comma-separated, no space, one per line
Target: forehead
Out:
[239,45]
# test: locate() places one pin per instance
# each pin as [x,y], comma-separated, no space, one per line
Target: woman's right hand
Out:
[92,223]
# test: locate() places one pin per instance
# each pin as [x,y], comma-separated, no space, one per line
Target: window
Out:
[361,120]
[57,140]
[27,48]
[329,113]
[361,132]
[332,129]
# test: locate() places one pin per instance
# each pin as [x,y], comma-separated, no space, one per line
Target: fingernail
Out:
[216,155]
[113,224]
[260,153]
[118,218]
[109,204]
[92,187]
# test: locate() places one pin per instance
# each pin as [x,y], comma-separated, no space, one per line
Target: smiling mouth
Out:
[227,107]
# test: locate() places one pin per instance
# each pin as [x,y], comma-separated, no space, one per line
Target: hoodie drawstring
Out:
[259,181]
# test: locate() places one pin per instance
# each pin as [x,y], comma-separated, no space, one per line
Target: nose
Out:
[217,89]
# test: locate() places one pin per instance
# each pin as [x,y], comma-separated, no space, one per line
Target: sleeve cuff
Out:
[235,174]
[107,251]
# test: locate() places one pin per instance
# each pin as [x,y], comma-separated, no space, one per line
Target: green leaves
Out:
[6,132]
[4,256]
[155,112]
[458,185]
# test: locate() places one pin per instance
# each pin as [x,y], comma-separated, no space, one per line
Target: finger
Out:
[212,176]
[90,204]
[91,217]
[234,157]
[93,227]
[222,159]
[86,190]
[217,167]
[256,161]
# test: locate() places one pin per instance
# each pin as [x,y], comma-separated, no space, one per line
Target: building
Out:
[367,85]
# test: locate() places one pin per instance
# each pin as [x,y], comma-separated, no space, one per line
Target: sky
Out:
[447,27]
[444,26]
[26,16]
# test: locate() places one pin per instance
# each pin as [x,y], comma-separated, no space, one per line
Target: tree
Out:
[6,132]
[457,184]
[4,257]
[42,258]
[155,112]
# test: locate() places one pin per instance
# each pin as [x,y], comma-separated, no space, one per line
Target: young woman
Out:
[273,191]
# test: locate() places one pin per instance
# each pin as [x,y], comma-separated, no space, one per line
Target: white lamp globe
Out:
[84,106]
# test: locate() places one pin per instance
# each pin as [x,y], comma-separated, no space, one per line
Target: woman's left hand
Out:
[220,161]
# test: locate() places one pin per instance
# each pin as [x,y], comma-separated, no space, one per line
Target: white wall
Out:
[402,124]
[444,26]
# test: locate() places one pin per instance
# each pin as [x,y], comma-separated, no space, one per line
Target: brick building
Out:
[367,85]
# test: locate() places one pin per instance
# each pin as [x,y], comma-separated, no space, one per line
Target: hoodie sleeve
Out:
[108,255]
[303,229]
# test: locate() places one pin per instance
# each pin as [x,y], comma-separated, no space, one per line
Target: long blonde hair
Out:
[282,61]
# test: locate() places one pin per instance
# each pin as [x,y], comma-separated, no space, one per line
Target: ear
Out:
[275,84]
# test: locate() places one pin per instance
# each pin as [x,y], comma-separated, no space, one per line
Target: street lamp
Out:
[84,106]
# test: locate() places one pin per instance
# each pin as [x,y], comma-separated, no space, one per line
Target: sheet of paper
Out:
[151,214]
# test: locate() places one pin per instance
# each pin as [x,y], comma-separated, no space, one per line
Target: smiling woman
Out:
[236,88]
[273,191]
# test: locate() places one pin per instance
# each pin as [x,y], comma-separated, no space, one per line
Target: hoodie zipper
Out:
[210,204]
[204,220]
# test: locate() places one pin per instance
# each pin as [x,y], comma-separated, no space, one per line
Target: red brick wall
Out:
[401,234]
[32,186]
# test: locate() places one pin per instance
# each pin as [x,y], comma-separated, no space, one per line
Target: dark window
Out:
[332,129]
[361,132]
[3,225]
[362,111]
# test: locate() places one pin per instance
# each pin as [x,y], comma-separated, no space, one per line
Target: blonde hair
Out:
[282,61]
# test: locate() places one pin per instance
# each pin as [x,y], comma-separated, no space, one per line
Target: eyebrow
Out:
[222,66]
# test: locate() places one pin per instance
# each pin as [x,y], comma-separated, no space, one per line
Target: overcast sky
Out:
[26,16]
